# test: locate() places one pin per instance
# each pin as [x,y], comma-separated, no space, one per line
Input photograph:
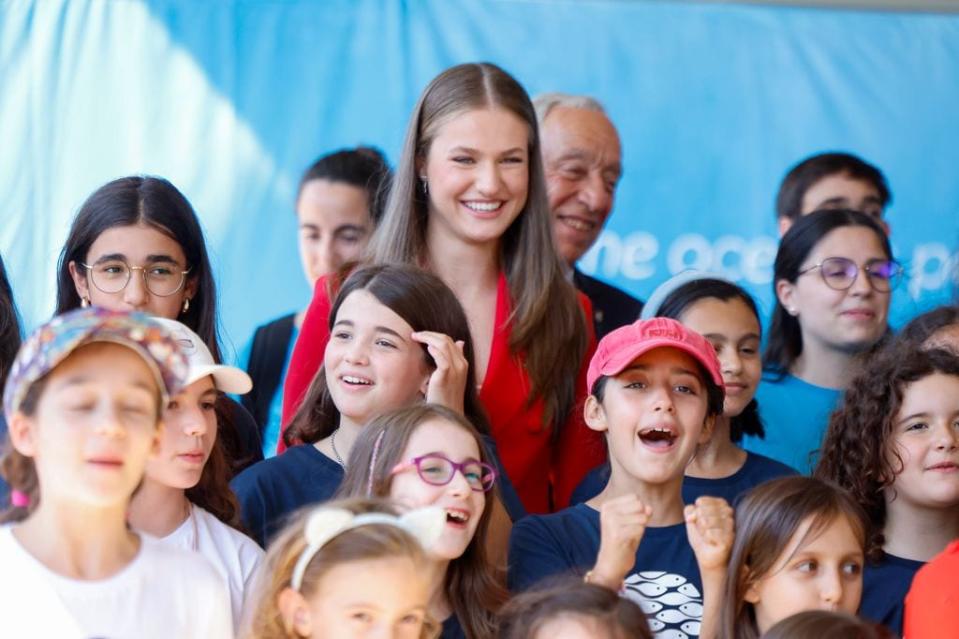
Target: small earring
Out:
[84,302]
[186,305]
[424,185]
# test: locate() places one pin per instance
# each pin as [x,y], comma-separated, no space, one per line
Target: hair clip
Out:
[325,524]
[19,499]
[376,452]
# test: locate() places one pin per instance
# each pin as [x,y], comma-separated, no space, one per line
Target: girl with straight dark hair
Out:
[469,204]
[833,280]
[136,245]
[399,337]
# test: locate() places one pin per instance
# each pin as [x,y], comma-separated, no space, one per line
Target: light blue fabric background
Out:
[231,100]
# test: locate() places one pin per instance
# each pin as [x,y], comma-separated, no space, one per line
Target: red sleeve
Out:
[579,449]
[307,352]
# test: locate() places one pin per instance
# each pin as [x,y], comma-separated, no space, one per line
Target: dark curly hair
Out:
[854,450]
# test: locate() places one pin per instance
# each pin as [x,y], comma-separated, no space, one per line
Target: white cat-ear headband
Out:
[424,524]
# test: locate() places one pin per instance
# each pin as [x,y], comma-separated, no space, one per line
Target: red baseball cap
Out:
[622,346]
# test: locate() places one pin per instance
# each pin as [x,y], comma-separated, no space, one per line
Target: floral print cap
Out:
[54,341]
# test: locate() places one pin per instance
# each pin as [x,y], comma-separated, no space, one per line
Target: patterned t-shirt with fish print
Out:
[664,581]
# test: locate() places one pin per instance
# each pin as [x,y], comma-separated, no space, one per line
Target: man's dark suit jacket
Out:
[612,307]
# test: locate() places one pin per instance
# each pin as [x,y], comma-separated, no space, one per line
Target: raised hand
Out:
[622,522]
[711,530]
[447,384]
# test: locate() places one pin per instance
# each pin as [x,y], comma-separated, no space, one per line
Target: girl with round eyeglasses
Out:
[136,244]
[833,279]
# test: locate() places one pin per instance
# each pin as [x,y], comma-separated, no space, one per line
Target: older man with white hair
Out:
[582,159]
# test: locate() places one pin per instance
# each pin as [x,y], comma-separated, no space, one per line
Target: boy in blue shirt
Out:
[656,389]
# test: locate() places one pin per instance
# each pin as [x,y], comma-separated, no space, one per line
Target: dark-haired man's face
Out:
[840,191]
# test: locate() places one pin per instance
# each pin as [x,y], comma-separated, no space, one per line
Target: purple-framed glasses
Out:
[840,273]
[438,470]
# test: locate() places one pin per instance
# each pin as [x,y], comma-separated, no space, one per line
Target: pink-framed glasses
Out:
[437,469]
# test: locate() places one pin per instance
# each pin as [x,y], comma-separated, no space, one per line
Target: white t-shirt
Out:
[164,592]
[234,555]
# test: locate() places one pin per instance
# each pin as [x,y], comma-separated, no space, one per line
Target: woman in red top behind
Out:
[469,204]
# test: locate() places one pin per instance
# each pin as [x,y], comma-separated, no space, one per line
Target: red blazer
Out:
[537,462]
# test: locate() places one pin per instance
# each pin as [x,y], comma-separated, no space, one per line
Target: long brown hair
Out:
[213,492]
[548,327]
[426,304]
[473,586]
[857,452]
[766,520]
[374,541]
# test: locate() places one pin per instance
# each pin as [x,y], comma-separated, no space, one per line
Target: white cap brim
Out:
[228,379]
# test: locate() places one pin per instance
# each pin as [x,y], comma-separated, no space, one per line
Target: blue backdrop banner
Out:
[232,100]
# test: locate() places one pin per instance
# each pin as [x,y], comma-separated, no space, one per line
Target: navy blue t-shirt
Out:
[270,490]
[452,628]
[757,469]
[665,580]
[884,588]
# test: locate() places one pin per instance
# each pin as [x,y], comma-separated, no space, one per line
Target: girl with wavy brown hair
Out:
[468,203]
[894,444]
[429,455]
[185,499]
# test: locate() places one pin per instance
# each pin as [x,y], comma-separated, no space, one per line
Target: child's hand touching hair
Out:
[711,530]
[622,522]
[447,384]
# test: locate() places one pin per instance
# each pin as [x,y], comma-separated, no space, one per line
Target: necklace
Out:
[339,460]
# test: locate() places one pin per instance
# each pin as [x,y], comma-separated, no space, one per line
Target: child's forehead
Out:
[823,532]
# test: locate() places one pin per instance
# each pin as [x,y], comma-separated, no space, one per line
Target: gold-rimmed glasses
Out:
[112,276]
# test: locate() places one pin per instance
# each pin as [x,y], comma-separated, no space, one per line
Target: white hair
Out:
[546,102]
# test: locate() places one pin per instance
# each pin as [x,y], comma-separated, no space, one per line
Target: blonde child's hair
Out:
[372,541]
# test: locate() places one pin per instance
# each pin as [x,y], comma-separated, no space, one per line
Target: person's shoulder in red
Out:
[310,343]
[932,605]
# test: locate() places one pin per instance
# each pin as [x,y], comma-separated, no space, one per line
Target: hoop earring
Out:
[186,305]
[424,185]
[84,302]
